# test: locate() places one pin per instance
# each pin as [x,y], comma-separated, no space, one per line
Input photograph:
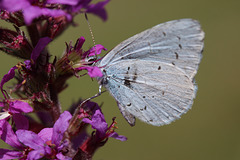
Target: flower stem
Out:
[56,108]
[82,156]
[34,34]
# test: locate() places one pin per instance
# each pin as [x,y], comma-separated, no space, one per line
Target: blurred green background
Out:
[211,129]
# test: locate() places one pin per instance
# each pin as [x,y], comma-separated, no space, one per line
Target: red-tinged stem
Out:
[86,151]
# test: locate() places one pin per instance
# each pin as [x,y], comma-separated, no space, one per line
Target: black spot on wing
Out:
[145,107]
[129,104]
[176,55]
[180,46]
[127,82]
[135,76]
[128,79]
[159,67]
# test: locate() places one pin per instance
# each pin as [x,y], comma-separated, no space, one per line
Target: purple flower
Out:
[35,8]
[10,154]
[9,137]
[100,136]
[98,9]
[69,2]
[93,71]
[35,54]
[80,135]
[95,50]
[102,130]
[48,142]
[15,109]
[75,59]
[10,75]
[42,43]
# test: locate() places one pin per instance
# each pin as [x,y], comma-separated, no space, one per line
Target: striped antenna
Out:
[90,29]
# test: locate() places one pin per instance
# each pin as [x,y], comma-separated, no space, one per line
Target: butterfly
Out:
[151,75]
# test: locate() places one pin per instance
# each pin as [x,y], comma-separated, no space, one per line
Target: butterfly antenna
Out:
[91,32]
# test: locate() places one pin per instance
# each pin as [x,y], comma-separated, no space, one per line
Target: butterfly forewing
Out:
[151,74]
[179,42]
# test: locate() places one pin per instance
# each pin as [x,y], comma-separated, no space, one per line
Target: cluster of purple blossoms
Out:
[56,134]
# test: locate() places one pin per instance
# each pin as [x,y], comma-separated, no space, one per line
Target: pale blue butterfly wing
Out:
[151,75]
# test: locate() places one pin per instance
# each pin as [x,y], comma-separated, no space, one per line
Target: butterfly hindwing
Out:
[154,92]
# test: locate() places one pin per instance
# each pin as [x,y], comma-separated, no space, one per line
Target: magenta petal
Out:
[9,154]
[10,75]
[33,141]
[19,107]
[86,120]
[60,156]
[33,12]
[30,139]
[36,154]
[42,43]
[96,50]
[94,71]
[118,137]
[81,4]
[14,5]
[80,43]
[98,122]
[28,64]
[60,127]
[98,9]
[20,121]
[46,134]
[8,136]
[69,2]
